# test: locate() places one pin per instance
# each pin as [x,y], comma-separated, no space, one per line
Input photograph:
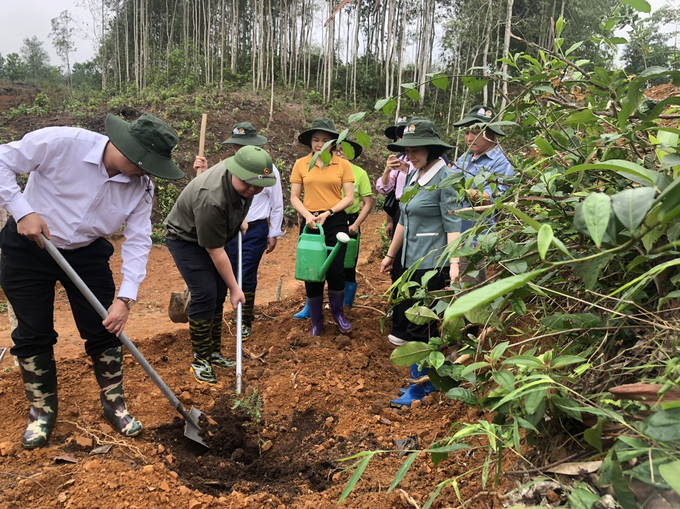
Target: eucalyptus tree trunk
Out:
[234,37]
[357,23]
[487,43]
[401,26]
[506,52]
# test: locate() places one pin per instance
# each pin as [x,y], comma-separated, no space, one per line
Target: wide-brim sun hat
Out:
[397,131]
[147,142]
[245,133]
[253,166]
[480,116]
[358,149]
[419,133]
[320,124]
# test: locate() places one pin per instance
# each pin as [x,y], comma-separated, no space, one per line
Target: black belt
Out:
[257,221]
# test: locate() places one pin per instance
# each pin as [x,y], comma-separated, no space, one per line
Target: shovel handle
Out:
[73,275]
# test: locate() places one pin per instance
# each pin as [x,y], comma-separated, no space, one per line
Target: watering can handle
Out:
[318,225]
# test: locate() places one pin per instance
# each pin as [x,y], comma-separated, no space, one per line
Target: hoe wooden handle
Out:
[201,139]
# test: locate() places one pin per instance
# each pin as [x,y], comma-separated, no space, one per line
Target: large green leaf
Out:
[596,210]
[545,237]
[671,474]
[632,171]
[474,84]
[410,353]
[639,5]
[421,315]
[488,293]
[356,117]
[363,139]
[440,81]
[623,493]
[631,206]
[663,426]
[582,117]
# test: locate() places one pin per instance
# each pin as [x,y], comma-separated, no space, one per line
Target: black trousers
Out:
[335,276]
[405,329]
[28,276]
[208,289]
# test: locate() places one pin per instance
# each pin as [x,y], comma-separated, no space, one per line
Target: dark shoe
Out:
[337,300]
[414,392]
[429,389]
[316,312]
[108,368]
[202,370]
[245,331]
[39,374]
[350,293]
[303,314]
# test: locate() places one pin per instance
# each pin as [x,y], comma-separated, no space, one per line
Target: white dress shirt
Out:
[269,205]
[68,187]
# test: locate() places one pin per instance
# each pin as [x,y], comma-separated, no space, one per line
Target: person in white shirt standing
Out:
[264,219]
[82,186]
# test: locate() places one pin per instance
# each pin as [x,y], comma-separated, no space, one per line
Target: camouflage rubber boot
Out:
[247,315]
[216,357]
[108,368]
[39,374]
[200,332]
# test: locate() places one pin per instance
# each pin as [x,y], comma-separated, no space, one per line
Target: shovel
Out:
[239,320]
[191,428]
[178,309]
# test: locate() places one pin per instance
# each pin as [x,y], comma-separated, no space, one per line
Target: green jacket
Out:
[427,217]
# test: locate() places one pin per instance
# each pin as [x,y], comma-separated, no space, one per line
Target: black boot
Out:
[201,342]
[108,368]
[39,374]
[247,315]
[216,358]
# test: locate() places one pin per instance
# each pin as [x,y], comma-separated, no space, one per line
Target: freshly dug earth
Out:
[308,402]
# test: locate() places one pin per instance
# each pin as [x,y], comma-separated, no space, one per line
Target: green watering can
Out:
[352,252]
[312,260]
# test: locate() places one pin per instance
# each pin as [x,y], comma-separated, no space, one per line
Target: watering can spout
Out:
[343,239]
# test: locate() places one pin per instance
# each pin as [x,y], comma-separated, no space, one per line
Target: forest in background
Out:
[351,51]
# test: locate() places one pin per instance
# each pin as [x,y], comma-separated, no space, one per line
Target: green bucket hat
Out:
[397,131]
[245,133]
[147,142]
[419,132]
[320,124]
[480,114]
[358,149]
[253,166]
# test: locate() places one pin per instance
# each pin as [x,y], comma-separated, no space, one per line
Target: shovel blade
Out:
[178,309]
[191,431]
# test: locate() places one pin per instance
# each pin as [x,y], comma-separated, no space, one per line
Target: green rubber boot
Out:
[108,368]
[39,374]
[216,357]
[201,342]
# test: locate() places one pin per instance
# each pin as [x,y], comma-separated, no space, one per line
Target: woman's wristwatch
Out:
[330,212]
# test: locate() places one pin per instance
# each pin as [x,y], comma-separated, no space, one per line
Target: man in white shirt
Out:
[82,187]
[264,219]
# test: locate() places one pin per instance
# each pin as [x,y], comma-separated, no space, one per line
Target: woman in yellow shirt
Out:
[324,185]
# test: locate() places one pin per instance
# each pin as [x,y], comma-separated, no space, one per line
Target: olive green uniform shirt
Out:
[209,212]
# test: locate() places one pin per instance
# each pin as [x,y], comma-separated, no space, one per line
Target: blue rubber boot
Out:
[415,392]
[303,314]
[429,389]
[350,292]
